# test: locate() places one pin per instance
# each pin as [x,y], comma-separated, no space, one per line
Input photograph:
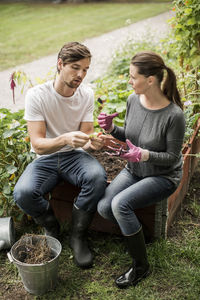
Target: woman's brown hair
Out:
[152,64]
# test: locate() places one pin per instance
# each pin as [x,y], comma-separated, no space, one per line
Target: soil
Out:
[33,249]
[112,165]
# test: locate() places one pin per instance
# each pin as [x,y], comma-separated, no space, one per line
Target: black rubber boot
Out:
[140,268]
[49,222]
[81,221]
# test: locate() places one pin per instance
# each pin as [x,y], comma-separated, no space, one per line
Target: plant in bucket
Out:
[36,257]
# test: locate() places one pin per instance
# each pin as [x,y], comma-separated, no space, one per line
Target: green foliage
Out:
[114,92]
[14,156]
[185,48]
[186,27]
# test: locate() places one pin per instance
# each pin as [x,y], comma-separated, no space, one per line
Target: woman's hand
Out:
[105,121]
[97,141]
[134,153]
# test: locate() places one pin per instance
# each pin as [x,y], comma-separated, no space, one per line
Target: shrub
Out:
[14,156]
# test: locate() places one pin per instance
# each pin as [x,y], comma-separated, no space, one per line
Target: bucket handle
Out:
[10,257]
[2,244]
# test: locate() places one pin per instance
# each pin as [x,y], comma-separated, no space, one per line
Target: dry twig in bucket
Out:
[33,250]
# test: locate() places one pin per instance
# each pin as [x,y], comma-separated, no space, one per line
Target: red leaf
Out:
[12,86]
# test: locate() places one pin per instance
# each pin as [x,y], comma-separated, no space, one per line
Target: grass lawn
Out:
[29,31]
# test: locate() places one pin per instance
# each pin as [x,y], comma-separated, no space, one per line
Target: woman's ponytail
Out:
[170,87]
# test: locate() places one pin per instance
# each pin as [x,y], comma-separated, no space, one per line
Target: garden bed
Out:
[63,195]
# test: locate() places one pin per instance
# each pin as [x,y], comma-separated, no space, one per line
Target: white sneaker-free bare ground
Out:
[102,48]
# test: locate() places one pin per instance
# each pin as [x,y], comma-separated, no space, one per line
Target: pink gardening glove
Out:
[134,153]
[105,121]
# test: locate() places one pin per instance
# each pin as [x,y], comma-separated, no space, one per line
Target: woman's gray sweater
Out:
[159,131]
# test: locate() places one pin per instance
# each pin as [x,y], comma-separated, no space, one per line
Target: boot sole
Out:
[88,266]
[134,283]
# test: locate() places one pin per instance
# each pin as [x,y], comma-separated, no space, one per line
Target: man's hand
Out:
[77,139]
[97,141]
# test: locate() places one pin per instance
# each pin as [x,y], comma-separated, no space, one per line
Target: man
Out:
[59,117]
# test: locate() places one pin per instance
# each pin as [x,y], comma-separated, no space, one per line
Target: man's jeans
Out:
[128,192]
[43,174]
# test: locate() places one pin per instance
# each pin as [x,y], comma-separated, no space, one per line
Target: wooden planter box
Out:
[190,163]
[156,218]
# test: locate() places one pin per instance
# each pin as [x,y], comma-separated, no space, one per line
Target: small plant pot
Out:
[40,277]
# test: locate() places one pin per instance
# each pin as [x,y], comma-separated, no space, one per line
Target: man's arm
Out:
[43,145]
[87,127]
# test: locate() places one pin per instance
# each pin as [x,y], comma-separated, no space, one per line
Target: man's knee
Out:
[97,179]
[21,195]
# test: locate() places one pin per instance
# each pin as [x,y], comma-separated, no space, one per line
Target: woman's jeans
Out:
[43,174]
[128,192]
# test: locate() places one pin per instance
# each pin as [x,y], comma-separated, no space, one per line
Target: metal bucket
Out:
[37,278]
[7,233]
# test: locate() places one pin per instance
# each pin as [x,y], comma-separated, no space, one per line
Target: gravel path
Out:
[102,48]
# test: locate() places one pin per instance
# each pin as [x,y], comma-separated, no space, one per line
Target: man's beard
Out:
[72,84]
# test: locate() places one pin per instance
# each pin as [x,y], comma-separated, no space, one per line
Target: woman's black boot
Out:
[81,221]
[140,268]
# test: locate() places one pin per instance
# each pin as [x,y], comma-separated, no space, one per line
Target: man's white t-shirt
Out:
[61,114]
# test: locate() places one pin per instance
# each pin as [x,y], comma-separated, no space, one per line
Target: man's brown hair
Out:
[72,52]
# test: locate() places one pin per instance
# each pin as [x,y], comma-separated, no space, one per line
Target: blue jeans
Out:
[128,192]
[43,174]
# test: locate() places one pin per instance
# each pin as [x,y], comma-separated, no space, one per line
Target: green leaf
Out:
[196,61]
[193,50]
[11,169]
[1,211]
[178,37]
[6,189]
[8,133]
[188,11]
[191,21]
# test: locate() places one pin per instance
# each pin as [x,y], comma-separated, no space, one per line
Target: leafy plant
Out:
[186,29]
[114,92]
[14,156]
[185,46]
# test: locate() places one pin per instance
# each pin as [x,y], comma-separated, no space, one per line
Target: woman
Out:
[153,130]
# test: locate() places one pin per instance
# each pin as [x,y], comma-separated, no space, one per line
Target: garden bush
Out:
[14,156]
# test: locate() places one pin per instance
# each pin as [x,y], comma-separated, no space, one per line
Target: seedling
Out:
[95,135]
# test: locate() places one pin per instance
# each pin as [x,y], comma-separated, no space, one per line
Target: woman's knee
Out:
[104,208]
[119,207]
